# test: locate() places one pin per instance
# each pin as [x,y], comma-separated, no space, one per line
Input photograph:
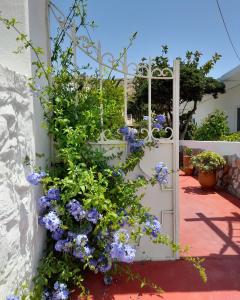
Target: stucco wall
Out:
[223,148]
[20,236]
[228,102]
[21,136]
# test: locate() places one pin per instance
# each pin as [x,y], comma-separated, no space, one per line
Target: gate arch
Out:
[164,202]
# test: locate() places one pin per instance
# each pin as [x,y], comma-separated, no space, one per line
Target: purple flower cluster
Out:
[57,234]
[79,213]
[120,250]
[162,173]
[44,202]
[60,292]
[93,216]
[11,297]
[50,221]
[152,226]
[76,210]
[159,121]
[121,236]
[53,194]
[75,244]
[130,136]
[66,245]
[123,252]
[35,178]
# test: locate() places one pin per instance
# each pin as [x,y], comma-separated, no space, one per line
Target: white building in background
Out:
[228,102]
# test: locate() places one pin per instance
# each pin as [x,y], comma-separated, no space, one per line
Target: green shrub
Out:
[208,161]
[213,127]
[233,137]
[189,151]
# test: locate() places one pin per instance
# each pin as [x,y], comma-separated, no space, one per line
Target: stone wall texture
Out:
[228,178]
[21,239]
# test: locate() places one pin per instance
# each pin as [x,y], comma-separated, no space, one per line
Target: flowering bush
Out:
[208,161]
[94,217]
[90,209]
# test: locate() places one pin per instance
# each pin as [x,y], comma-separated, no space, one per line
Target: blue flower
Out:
[162,179]
[129,254]
[51,221]
[57,234]
[121,236]
[161,119]
[122,252]
[131,136]
[71,235]
[145,118]
[59,246]
[44,202]
[83,252]
[152,226]
[105,266]
[92,264]
[35,178]
[159,167]
[81,240]
[158,125]
[11,297]
[76,210]
[136,145]
[162,173]
[46,295]
[61,292]
[64,246]
[124,130]
[53,194]
[93,216]
[107,279]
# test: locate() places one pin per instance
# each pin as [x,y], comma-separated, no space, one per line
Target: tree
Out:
[194,84]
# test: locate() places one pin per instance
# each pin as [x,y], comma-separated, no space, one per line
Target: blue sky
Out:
[181,24]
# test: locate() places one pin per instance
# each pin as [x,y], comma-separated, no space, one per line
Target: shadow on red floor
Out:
[210,224]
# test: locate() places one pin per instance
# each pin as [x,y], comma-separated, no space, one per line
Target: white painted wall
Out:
[21,239]
[223,148]
[227,102]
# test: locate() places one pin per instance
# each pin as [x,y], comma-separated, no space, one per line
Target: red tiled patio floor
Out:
[210,224]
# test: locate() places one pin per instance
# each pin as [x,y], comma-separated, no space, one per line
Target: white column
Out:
[176,95]
[149,99]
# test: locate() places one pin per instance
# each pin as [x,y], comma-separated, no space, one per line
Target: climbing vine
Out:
[91,210]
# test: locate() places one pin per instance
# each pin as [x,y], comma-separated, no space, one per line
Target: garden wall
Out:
[21,238]
[21,137]
[229,177]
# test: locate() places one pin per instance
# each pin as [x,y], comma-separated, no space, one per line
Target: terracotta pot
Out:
[207,179]
[187,165]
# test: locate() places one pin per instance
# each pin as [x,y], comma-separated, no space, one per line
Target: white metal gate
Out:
[163,201]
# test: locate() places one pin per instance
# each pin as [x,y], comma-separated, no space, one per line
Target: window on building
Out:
[238,119]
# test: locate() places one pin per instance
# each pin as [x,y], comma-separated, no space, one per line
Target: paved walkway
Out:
[210,223]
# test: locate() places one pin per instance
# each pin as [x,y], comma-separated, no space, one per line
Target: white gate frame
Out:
[107,60]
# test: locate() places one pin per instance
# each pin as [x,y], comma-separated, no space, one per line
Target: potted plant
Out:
[207,163]
[187,161]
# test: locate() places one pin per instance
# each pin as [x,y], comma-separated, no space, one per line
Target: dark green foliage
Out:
[213,128]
